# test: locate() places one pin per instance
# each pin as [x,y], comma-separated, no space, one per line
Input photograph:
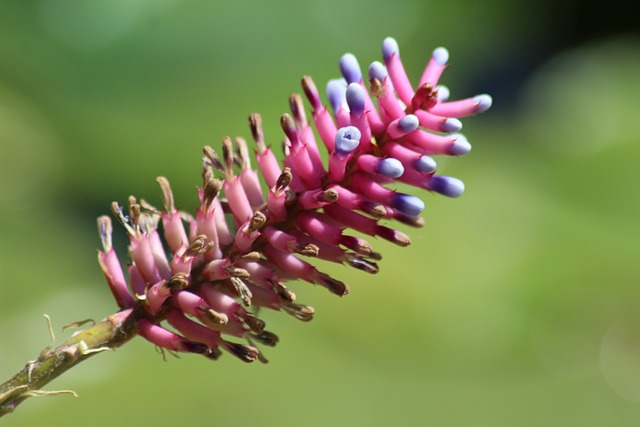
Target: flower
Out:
[242,246]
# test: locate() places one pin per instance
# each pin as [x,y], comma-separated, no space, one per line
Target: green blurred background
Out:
[516,305]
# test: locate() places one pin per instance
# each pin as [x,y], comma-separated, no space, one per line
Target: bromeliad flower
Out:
[243,246]
[199,284]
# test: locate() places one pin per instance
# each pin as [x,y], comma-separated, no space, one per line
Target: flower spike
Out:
[244,247]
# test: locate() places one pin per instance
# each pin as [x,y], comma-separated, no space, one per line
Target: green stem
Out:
[108,334]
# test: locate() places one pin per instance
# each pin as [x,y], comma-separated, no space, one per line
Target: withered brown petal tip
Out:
[330,195]
[178,281]
[375,86]
[284,293]
[213,353]
[243,352]
[257,220]
[267,338]
[240,273]
[301,312]
[197,245]
[309,250]
[195,347]
[376,210]
[334,286]
[284,179]
[256,325]
[217,318]
[250,257]
[167,194]
[242,290]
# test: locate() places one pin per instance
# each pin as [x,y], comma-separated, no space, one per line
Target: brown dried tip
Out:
[257,221]
[267,338]
[194,347]
[413,221]
[284,179]
[330,196]
[211,190]
[255,123]
[249,257]
[242,153]
[309,250]
[227,155]
[358,245]
[299,311]
[256,325]
[375,209]
[283,292]
[213,353]
[243,352]
[333,285]
[361,263]
[376,86]
[393,236]
[134,210]
[211,158]
[215,317]
[167,194]
[401,239]
[242,290]
[297,109]
[375,255]
[178,281]
[240,273]
[197,245]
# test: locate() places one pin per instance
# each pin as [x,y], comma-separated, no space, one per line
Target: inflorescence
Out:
[240,249]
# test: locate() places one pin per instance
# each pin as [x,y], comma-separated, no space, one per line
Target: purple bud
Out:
[355,98]
[460,146]
[390,167]
[425,164]
[484,102]
[443,93]
[407,204]
[389,47]
[446,185]
[347,139]
[451,125]
[409,123]
[336,93]
[440,56]
[377,71]
[350,68]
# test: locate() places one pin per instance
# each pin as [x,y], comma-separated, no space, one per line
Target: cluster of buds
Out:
[240,249]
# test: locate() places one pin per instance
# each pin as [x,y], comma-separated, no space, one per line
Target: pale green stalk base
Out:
[109,334]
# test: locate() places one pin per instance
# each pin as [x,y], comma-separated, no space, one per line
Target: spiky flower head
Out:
[238,251]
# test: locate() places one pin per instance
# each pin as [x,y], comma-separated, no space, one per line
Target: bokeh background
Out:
[516,305]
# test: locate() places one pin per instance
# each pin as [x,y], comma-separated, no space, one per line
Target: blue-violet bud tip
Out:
[347,139]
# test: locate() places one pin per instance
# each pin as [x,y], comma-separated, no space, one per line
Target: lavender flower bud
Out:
[350,68]
[355,99]
[446,185]
[347,139]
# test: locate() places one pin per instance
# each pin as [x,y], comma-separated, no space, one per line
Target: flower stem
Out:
[108,334]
